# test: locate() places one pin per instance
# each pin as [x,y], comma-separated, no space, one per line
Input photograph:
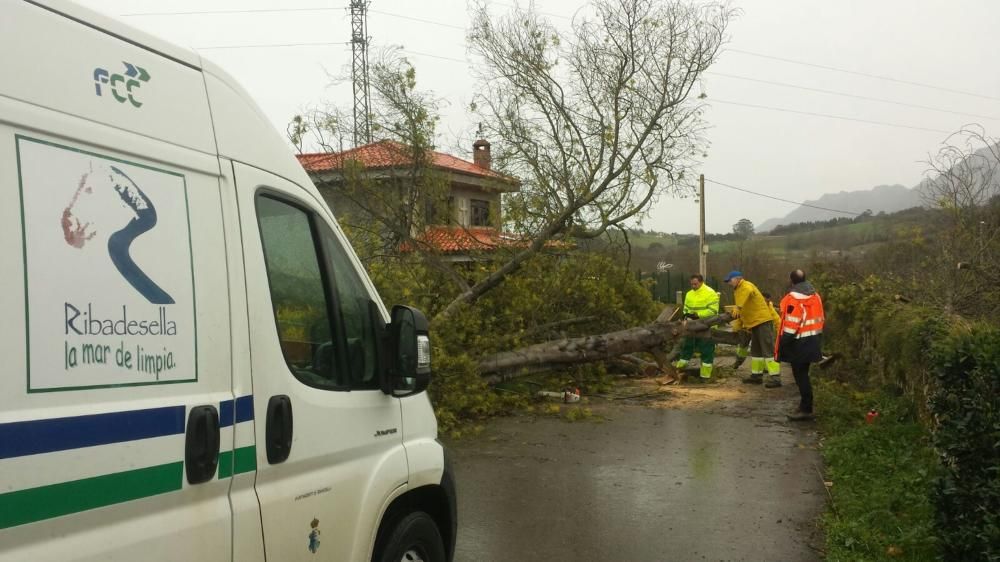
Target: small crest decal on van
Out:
[314,536]
[124,87]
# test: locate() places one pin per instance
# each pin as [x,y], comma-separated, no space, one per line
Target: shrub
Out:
[948,370]
[966,405]
[883,342]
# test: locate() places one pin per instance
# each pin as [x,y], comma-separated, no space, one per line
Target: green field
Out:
[864,235]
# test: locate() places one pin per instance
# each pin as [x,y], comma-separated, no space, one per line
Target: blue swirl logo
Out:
[78,232]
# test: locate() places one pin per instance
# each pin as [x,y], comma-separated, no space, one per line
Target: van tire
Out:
[415,536]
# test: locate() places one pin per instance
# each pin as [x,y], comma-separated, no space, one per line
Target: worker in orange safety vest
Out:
[800,338]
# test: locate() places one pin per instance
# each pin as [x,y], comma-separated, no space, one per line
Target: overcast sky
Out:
[949,45]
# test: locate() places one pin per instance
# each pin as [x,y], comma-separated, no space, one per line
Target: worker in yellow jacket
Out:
[774,313]
[700,302]
[754,314]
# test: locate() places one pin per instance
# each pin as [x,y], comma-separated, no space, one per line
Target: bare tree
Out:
[597,123]
[964,185]
[328,128]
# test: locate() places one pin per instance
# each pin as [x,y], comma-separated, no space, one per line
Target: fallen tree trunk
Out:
[560,324]
[653,338]
[632,365]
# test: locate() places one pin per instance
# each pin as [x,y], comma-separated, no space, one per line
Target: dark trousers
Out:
[801,373]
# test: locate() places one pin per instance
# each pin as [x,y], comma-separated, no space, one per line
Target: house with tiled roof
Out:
[471,221]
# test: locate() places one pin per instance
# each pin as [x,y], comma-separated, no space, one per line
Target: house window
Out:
[439,211]
[480,212]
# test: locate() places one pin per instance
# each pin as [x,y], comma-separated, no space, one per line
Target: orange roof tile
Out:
[456,239]
[390,154]
[450,239]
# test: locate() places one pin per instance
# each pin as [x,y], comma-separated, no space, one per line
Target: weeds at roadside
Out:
[578,413]
[882,474]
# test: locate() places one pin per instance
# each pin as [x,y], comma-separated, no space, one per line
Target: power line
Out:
[719,183]
[814,114]
[829,116]
[418,53]
[218,12]
[847,95]
[740,51]
[281,10]
[550,14]
[421,20]
[268,45]
[795,86]
[865,74]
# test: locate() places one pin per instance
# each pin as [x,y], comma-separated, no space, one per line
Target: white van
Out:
[193,363]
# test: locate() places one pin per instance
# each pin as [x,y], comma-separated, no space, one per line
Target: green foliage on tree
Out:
[549,297]
[743,229]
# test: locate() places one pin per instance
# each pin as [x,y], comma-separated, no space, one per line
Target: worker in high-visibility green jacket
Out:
[700,302]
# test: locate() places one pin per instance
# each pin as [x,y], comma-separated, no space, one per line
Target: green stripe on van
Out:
[245,461]
[46,502]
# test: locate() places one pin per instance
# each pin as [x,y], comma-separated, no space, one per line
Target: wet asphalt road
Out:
[647,484]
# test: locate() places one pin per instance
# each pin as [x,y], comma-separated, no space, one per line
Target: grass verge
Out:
[882,476]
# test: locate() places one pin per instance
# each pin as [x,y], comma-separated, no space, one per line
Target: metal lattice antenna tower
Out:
[359,72]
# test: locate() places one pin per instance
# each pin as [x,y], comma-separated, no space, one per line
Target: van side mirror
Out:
[409,369]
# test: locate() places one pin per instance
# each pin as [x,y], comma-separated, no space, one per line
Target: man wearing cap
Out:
[700,302]
[753,313]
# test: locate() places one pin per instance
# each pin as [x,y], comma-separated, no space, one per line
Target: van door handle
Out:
[201,444]
[279,428]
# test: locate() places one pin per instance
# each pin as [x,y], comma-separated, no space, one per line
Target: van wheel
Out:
[414,538]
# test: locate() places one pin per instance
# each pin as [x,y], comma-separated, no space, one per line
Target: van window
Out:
[356,312]
[302,306]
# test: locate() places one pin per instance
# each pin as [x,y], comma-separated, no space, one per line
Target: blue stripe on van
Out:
[243,411]
[35,437]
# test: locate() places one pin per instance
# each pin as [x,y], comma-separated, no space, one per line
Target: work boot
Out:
[773,382]
[799,415]
[754,378]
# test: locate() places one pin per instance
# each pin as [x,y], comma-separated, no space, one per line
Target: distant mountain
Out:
[982,167]
[888,198]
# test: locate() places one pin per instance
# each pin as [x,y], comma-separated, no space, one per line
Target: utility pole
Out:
[359,71]
[702,248]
